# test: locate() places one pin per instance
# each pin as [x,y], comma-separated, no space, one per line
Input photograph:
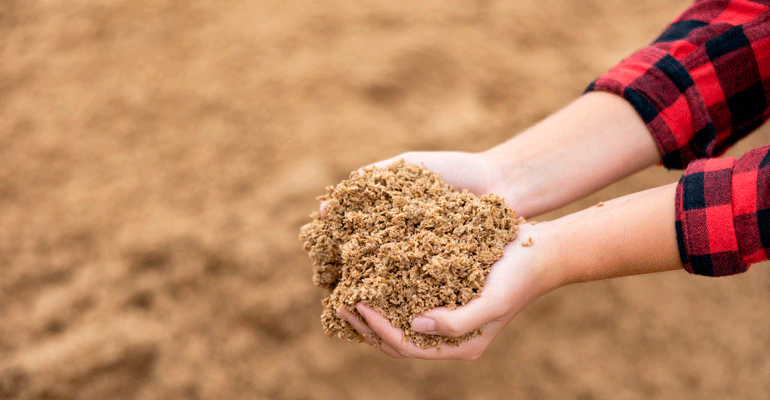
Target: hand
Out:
[514,281]
[592,142]
[506,290]
[473,172]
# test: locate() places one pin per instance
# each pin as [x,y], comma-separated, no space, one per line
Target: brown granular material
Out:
[403,242]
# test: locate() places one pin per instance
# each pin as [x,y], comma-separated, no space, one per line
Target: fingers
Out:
[370,337]
[395,346]
[381,164]
[392,342]
[430,160]
[455,323]
[358,325]
[378,165]
[434,161]
[391,352]
[459,169]
[322,209]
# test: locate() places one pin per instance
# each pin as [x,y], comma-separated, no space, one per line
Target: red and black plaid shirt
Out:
[701,86]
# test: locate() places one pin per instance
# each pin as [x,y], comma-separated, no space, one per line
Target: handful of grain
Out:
[403,242]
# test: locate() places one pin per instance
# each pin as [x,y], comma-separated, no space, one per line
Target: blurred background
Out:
[157,159]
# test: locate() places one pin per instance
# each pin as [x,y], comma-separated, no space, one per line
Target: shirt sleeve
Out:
[700,87]
[703,84]
[723,213]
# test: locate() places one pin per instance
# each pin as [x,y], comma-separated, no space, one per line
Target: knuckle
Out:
[494,305]
[454,328]
[497,311]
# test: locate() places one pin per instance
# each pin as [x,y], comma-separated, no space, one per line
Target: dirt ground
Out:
[157,159]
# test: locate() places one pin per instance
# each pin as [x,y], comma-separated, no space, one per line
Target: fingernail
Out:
[424,325]
[322,208]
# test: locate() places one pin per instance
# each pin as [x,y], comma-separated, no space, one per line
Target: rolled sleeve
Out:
[723,213]
[702,84]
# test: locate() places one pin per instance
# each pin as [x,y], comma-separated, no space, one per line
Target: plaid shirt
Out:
[701,86]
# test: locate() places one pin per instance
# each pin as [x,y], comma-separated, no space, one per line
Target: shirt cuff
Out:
[665,96]
[705,220]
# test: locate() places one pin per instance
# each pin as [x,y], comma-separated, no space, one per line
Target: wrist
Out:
[559,252]
[596,140]
[547,258]
[510,177]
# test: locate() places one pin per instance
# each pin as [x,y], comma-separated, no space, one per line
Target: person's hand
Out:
[597,139]
[473,172]
[514,281]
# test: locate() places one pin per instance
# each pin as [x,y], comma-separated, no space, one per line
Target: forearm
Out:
[594,141]
[629,235]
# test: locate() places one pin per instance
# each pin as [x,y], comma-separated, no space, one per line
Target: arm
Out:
[691,94]
[700,86]
[627,236]
[721,208]
[594,141]
[697,89]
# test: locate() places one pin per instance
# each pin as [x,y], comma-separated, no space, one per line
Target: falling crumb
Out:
[527,243]
[403,242]
[600,204]
[532,222]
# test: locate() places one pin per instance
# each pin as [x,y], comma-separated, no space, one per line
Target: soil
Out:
[157,159]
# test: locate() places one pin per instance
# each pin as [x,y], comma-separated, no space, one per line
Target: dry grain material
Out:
[403,242]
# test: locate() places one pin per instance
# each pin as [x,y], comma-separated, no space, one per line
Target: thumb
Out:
[455,323]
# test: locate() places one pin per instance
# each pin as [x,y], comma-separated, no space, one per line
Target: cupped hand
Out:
[514,281]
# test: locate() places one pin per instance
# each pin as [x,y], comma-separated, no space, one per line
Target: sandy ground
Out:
[157,159]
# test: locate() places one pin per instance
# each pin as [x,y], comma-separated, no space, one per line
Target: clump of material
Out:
[403,242]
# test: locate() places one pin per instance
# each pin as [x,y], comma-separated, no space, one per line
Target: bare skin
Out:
[589,144]
[592,142]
